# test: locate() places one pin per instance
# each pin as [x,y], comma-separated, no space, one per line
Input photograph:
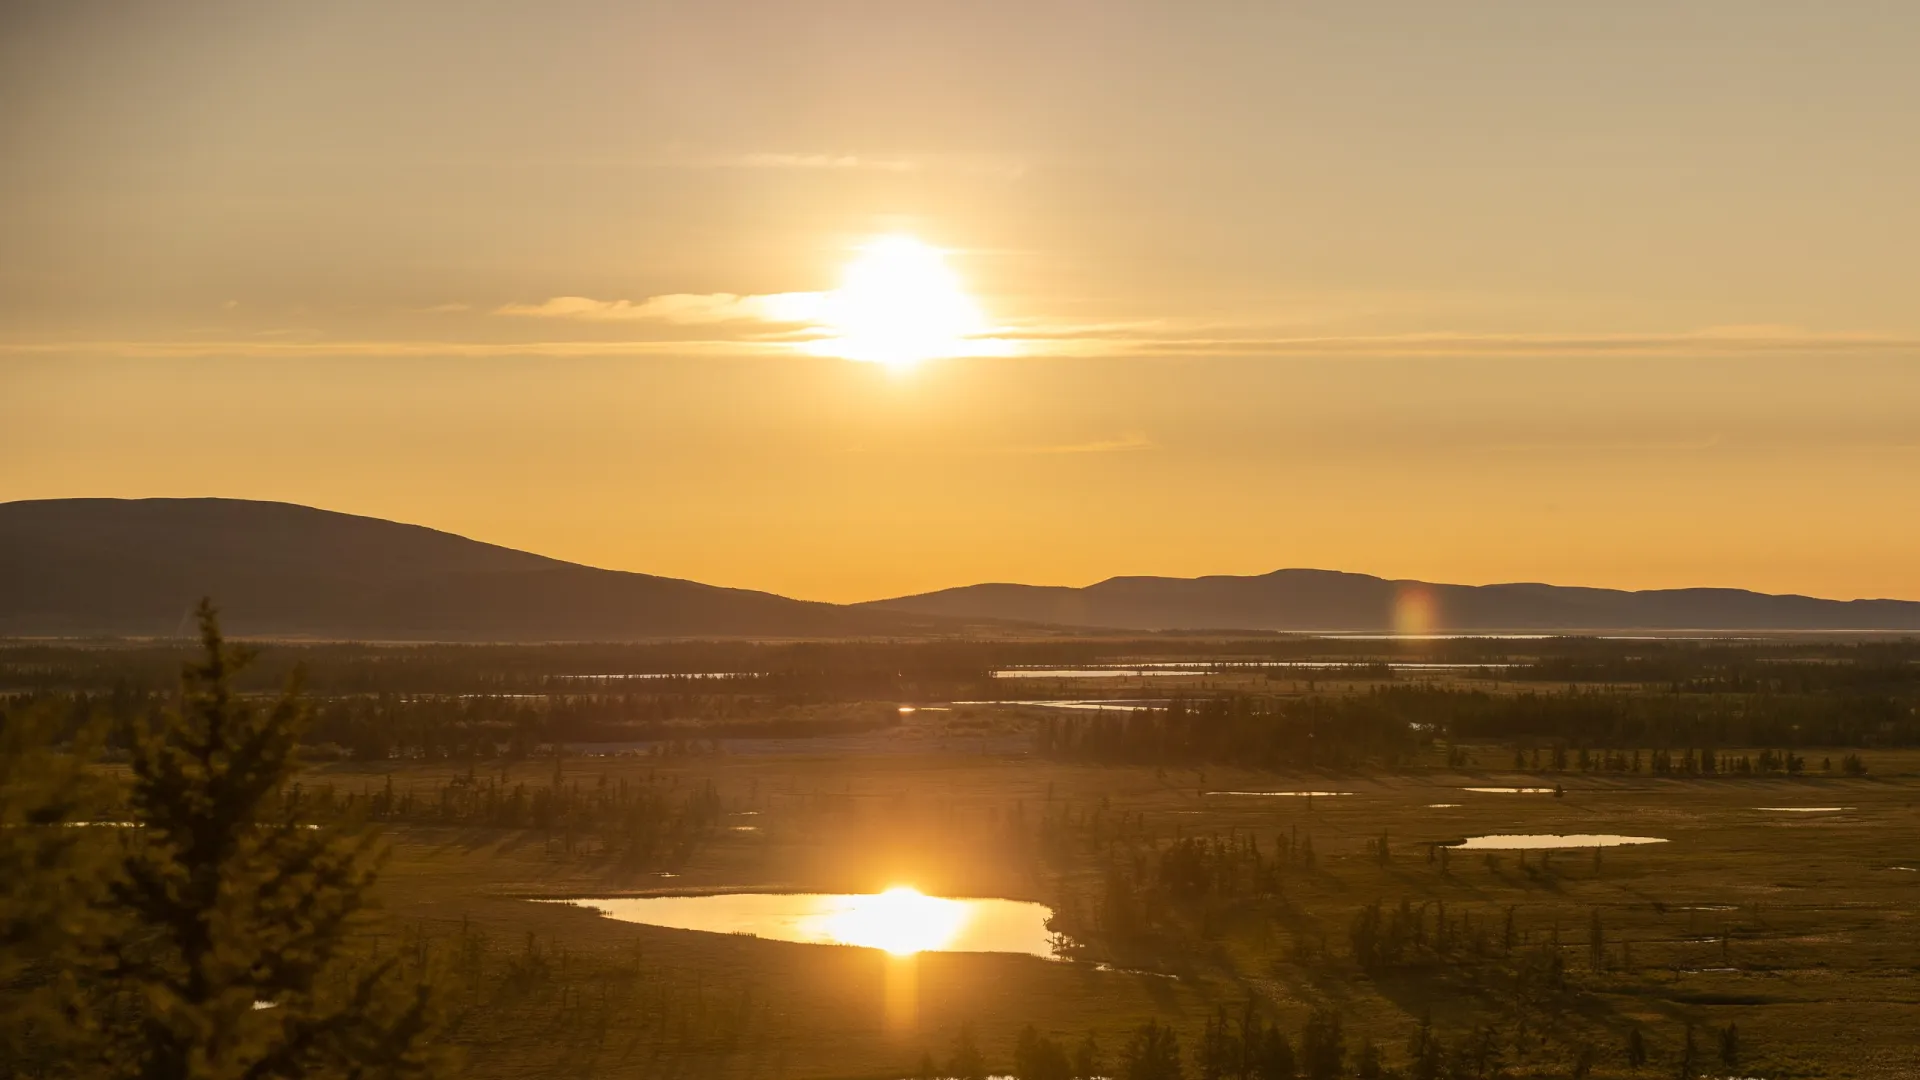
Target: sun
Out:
[899,304]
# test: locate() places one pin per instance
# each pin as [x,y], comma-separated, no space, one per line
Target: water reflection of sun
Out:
[901,920]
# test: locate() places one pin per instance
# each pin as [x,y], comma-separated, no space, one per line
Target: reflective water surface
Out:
[1295,794]
[1529,841]
[1511,790]
[1141,671]
[900,920]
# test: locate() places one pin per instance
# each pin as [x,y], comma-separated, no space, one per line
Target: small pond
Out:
[1287,794]
[1511,790]
[1530,841]
[899,920]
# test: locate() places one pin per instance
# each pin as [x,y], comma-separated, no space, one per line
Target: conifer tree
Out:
[1218,1055]
[48,881]
[1152,1054]
[1038,1057]
[1323,1048]
[1087,1062]
[967,1064]
[236,926]
[1596,942]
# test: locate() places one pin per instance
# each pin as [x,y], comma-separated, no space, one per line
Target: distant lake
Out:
[1531,841]
[899,920]
[1511,790]
[1142,671]
[1295,794]
[1088,705]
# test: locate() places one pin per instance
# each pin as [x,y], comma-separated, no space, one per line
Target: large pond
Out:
[1530,841]
[899,920]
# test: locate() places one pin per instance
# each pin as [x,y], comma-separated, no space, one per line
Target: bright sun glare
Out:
[899,304]
[901,920]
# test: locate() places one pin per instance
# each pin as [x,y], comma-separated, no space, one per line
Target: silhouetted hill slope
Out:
[136,567]
[1329,600]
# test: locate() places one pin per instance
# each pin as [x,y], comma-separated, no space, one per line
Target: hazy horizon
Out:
[1612,296]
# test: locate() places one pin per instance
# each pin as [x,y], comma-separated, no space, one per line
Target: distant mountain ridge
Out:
[134,568]
[1328,600]
[120,567]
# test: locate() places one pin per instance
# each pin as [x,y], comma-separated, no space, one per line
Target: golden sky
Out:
[1617,294]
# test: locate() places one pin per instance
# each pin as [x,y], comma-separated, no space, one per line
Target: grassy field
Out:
[1800,928]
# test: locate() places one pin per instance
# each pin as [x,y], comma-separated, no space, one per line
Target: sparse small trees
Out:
[1367,1064]
[1087,1061]
[1038,1057]
[966,1063]
[1596,942]
[1730,1046]
[1425,1056]
[1323,1046]
[1636,1049]
[1152,1054]
[1269,1053]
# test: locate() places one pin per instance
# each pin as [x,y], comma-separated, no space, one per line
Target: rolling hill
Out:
[134,568]
[85,567]
[1306,600]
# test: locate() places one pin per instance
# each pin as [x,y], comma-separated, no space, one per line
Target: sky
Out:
[1601,294]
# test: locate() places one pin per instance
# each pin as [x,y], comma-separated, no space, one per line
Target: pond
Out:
[1530,841]
[900,920]
[1090,704]
[1803,809]
[1289,794]
[1142,671]
[1511,790]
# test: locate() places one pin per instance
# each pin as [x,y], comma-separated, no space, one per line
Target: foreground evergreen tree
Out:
[49,880]
[237,949]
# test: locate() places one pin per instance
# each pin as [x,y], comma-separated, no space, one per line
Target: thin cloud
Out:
[823,161]
[989,166]
[777,325]
[677,308]
[1713,341]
